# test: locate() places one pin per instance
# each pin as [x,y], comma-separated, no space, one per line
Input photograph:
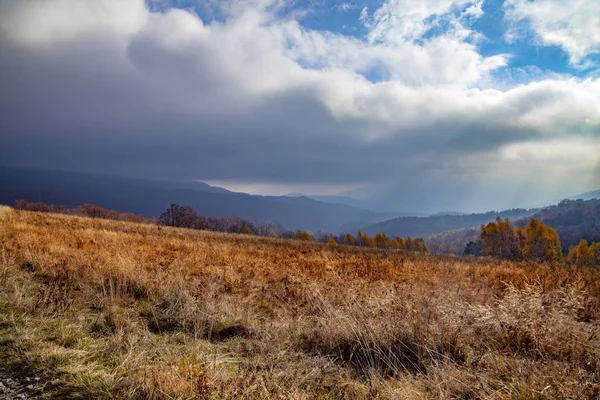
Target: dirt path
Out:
[18,389]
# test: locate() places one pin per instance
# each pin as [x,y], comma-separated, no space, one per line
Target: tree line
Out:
[573,220]
[535,242]
[584,254]
[186,217]
[84,210]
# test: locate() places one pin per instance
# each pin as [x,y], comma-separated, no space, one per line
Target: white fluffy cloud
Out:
[398,20]
[259,97]
[573,25]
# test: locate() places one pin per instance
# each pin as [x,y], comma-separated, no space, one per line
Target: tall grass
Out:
[109,309]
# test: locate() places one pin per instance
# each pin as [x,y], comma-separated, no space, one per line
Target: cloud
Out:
[346,6]
[260,98]
[399,20]
[573,25]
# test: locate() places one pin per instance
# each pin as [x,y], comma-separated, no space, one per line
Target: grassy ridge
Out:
[109,309]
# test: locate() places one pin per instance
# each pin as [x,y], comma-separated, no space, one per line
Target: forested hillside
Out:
[139,196]
[425,226]
[573,220]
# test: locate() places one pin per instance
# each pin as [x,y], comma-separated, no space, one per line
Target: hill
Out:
[425,226]
[573,220]
[354,202]
[69,189]
[111,309]
[587,196]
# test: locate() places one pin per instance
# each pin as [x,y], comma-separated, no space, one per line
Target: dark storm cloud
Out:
[177,99]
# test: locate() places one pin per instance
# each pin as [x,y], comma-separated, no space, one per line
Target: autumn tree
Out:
[585,255]
[303,235]
[36,207]
[332,241]
[521,238]
[420,246]
[541,242]
[178,216]
[364,240]
[396,243]
[348,239]
[499,239]
[382,241]
[93,211]
[20,205]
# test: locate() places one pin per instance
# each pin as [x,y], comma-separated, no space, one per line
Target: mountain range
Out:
[313,213]
[69,189]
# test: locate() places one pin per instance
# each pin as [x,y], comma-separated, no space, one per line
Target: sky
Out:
[415,105]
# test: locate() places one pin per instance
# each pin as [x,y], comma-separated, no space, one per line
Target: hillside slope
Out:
[573,220]
[108,309]
[424,226]
[587,196]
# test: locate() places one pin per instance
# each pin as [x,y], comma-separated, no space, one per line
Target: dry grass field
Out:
[108,309]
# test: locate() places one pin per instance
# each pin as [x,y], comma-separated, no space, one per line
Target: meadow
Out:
[115,309]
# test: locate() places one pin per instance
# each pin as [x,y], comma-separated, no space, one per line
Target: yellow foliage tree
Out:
[349,239]
[396,243]
[419,245]
[409,244]
[331,240]
[500,239]
[541,242]
[585,255]
[382,241]
[303,235]
[362,239]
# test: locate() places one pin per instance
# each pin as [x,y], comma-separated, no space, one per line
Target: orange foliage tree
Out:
[499,239]
[349,239]
[364,240]
[382,241]
[585,255]
[303,235]
[537,242]
[396,243]
[541,242]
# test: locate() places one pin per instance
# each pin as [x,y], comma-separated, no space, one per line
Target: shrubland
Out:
[116,309]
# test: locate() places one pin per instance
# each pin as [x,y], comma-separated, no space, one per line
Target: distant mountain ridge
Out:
[451,221]
[587,195]
[150,198]
[425,226]
[573,220]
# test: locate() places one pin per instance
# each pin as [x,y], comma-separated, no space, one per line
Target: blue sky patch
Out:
[529,58]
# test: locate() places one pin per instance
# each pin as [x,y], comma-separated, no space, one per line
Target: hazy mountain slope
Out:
[151,198]
[424,226]
[587,195]
[349,201]
[573,220]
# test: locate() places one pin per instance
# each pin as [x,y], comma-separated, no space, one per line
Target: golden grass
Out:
[108,309]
